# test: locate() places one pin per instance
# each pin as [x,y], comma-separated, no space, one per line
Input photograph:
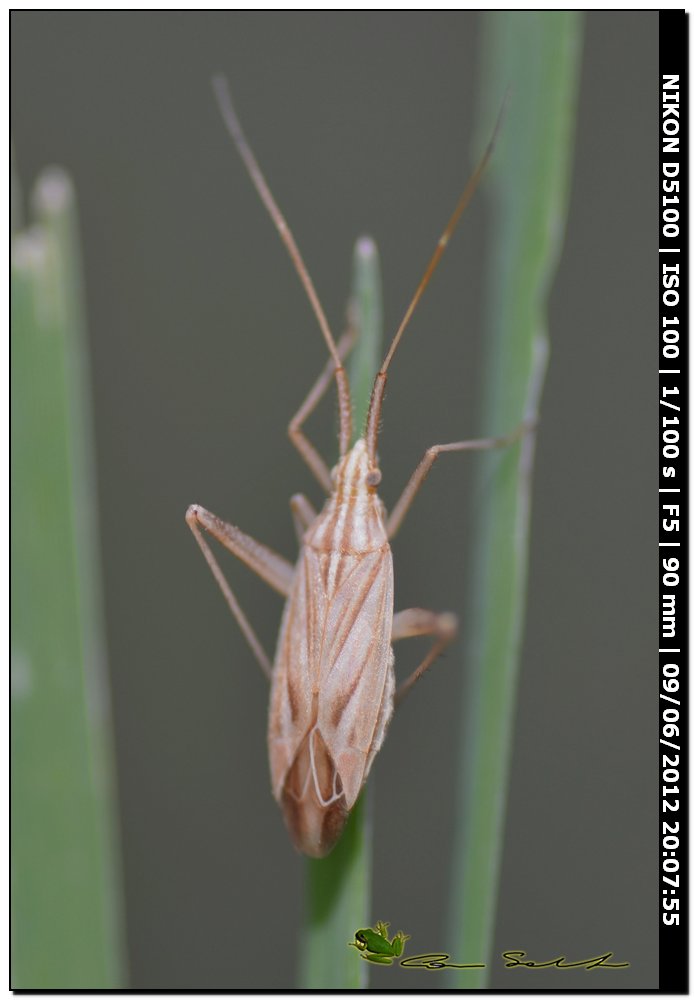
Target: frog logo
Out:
[374,946]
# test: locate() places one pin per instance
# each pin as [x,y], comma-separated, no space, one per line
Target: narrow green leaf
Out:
[537,55]
[338,888]
[338,896]
[65,911]
[367,310]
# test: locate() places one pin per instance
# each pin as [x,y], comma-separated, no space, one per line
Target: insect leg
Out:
[418,621]
[397,515]
[269,566]
[303,513]
[296,435]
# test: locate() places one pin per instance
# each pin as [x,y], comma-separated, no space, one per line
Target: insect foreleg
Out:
[418,621]
[296,435]
[272,568]
[303,514]
[397,515]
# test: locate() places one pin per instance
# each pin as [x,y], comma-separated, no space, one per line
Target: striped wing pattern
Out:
[332,692]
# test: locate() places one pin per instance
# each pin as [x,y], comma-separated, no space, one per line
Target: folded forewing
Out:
[297,665]
[355,661]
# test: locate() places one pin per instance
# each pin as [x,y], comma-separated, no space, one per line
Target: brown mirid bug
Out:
[332,683]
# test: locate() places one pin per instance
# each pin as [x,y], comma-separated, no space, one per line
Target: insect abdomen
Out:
[333,683]
[332,694]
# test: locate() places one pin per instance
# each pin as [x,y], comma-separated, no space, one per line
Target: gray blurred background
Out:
[202,348]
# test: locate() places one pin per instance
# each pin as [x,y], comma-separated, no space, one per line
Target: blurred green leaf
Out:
[537,55]
[65,904]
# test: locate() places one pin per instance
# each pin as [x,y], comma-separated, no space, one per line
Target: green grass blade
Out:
[65,911]
[338,888]
[367,309]
[338,892]
[537,55]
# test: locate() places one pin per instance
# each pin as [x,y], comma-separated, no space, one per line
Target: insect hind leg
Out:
[419,621]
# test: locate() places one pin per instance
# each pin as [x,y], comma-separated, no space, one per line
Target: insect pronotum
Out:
[332,683]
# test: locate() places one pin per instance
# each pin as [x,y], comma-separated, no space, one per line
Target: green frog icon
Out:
[375,946]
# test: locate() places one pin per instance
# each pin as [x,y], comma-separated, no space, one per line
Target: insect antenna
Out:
[374,416]
[233,126]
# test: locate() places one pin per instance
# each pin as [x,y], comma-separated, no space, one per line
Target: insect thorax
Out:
[352,520]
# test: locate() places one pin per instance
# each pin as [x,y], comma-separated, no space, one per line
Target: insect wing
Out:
[296,674]
[332,694]
[356,694]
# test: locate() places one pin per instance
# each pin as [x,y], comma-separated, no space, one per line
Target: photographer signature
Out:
[433,961]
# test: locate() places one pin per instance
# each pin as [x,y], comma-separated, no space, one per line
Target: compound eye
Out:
[373,477]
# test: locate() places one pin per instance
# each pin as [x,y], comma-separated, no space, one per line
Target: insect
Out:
[332,683]
[375,946]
